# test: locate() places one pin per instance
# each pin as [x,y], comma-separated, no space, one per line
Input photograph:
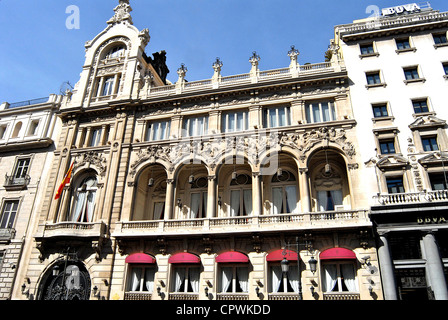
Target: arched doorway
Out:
[66,280]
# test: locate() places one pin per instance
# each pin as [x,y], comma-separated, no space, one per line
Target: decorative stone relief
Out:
[308,140]
[122,13]
[92,158]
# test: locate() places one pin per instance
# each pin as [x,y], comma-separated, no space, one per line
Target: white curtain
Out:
[180,278]
[330,277]
[226,278]
[276,278]
[322,200]
[149,279]
[158,208]
[90,205]
[194,205]
[291,198]
[348,273]
[247,194]
[194,278]
[277,200]
[80,200]
[136,276]
[337,197]
[293,278]
[243,276]
[234,203]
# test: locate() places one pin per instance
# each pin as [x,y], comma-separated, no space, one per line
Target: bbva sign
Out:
[413,7]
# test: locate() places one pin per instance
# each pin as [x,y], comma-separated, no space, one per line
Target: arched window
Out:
[328,184]
[198,199]
[116,52]
[241,195]
[284,192]
[84,200]
[17,129]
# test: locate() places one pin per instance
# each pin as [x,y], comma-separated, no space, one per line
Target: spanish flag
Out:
[66,180]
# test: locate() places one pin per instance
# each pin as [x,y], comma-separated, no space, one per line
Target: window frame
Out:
[225,120]
[150,130]
[395,178]
[383,141]
[201,130]
[419,106]
[187,282]
[268,111]
[143,268]
[383,107]
[310,111]
[233,288]
[9,223]
[283,185]
[429,138]
[339,276]
[84,214]
[378,79]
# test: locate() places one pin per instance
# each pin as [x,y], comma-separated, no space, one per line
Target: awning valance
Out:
[337,253]
[278,255]
[140,258]
[232,256]
[184,257]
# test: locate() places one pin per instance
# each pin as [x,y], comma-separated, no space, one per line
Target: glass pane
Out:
[231,123]
[281,117]
[316,113]
[240,121]
[326,111]
[272,118]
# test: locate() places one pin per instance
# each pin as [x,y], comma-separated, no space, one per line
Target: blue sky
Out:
[38,53]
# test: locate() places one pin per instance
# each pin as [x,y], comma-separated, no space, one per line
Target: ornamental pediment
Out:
[392,161]
[434,159]
[427,121]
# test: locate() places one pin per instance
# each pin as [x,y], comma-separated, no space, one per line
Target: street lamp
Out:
[313,262]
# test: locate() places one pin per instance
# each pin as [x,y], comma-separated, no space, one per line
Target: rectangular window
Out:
[276,117]
[320,112]
[339,277]
[328,200]
[198,205]
[445,69]
[159,130]
[430,143]
[9,214]
[367,49]
[234,279]
[411,73]
[95,137]
[196,126]
[387,146]
[21,169]
[395,185]
[438,181]
[141,279]
[185,279]
[380,110]
[420,105]
[235,121]
[440,38]
[108,86]
[373,78]
[281,282]
[403,44]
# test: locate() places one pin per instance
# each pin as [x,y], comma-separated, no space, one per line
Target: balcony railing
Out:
[327,219]
[183,296]
[232,296]
[7,235]
[283,296]
[137,296]
[341,296]
[72,229]
[411,197]
[12,182]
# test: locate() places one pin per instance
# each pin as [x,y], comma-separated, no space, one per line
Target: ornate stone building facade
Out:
[28,132]
[398,64]
[199,190]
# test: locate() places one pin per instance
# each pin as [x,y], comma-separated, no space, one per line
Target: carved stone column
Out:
[305,196]
[257,201]
[434,267]
[211,197]
[387,268]
[169,200]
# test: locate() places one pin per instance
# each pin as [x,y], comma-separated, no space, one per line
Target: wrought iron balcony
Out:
[341,296]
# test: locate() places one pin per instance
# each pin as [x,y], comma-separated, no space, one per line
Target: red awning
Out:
[278,255]
[184,257]
[337,253]
[232,256]
[140,258]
